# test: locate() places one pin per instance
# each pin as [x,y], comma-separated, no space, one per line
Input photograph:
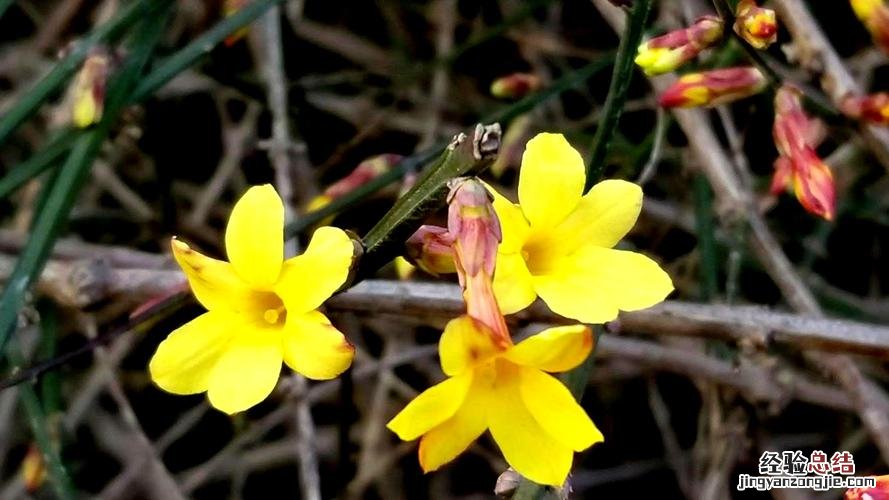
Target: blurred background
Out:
[687,396]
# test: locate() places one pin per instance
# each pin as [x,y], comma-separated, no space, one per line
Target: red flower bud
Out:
[799,167]
[711,88]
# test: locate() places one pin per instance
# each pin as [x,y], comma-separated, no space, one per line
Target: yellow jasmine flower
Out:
[532,416]
[557,243]
[262,310]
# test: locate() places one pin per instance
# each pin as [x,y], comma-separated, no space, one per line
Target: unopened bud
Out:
[365,172]
[515,86]
[431,249]
[712,88]
[667,52]
[88,91]
[872,108]
[474,225]
[756,25]
[33,469]
[798,166]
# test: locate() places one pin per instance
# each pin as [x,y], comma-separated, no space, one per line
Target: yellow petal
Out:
[513,285]
[214,282]
[311,278]
[556,349]
[555,409]
[604,215]
[513,225]
[184,360]
[551,180]
[450,438]
[525,444]
[315,348]
[247,371]
[594,283]
[432,407]
[254,237]
[464,343]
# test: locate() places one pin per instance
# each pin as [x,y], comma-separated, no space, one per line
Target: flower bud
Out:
[88,92]
[799,167]
[365,172]
[756,25]
[875,16]
[431,249]
[33,469]
[474,225]
[872,108]
[712,88]
[515,86]
[667,52]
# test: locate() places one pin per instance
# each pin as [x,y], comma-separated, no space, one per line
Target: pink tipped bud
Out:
[667,52]
[431,249]
[872,108]
[88,90]
[712,88]
[515,86]
[799,167]
[756,25]
[474,225]
[365,172]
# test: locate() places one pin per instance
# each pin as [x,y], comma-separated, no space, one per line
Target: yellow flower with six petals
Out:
[532,416]
[262,310]
[557,242]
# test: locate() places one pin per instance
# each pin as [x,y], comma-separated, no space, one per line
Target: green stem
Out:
[71,176]
[709,266]
[51,383]
[58,475]
[38,163]
[617,89]
[63,70]
[464,155]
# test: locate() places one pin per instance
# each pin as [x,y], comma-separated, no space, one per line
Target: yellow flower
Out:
[557,244]
[262,309]
[532,416]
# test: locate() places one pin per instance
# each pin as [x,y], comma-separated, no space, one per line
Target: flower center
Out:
[540,255]
[270,308]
